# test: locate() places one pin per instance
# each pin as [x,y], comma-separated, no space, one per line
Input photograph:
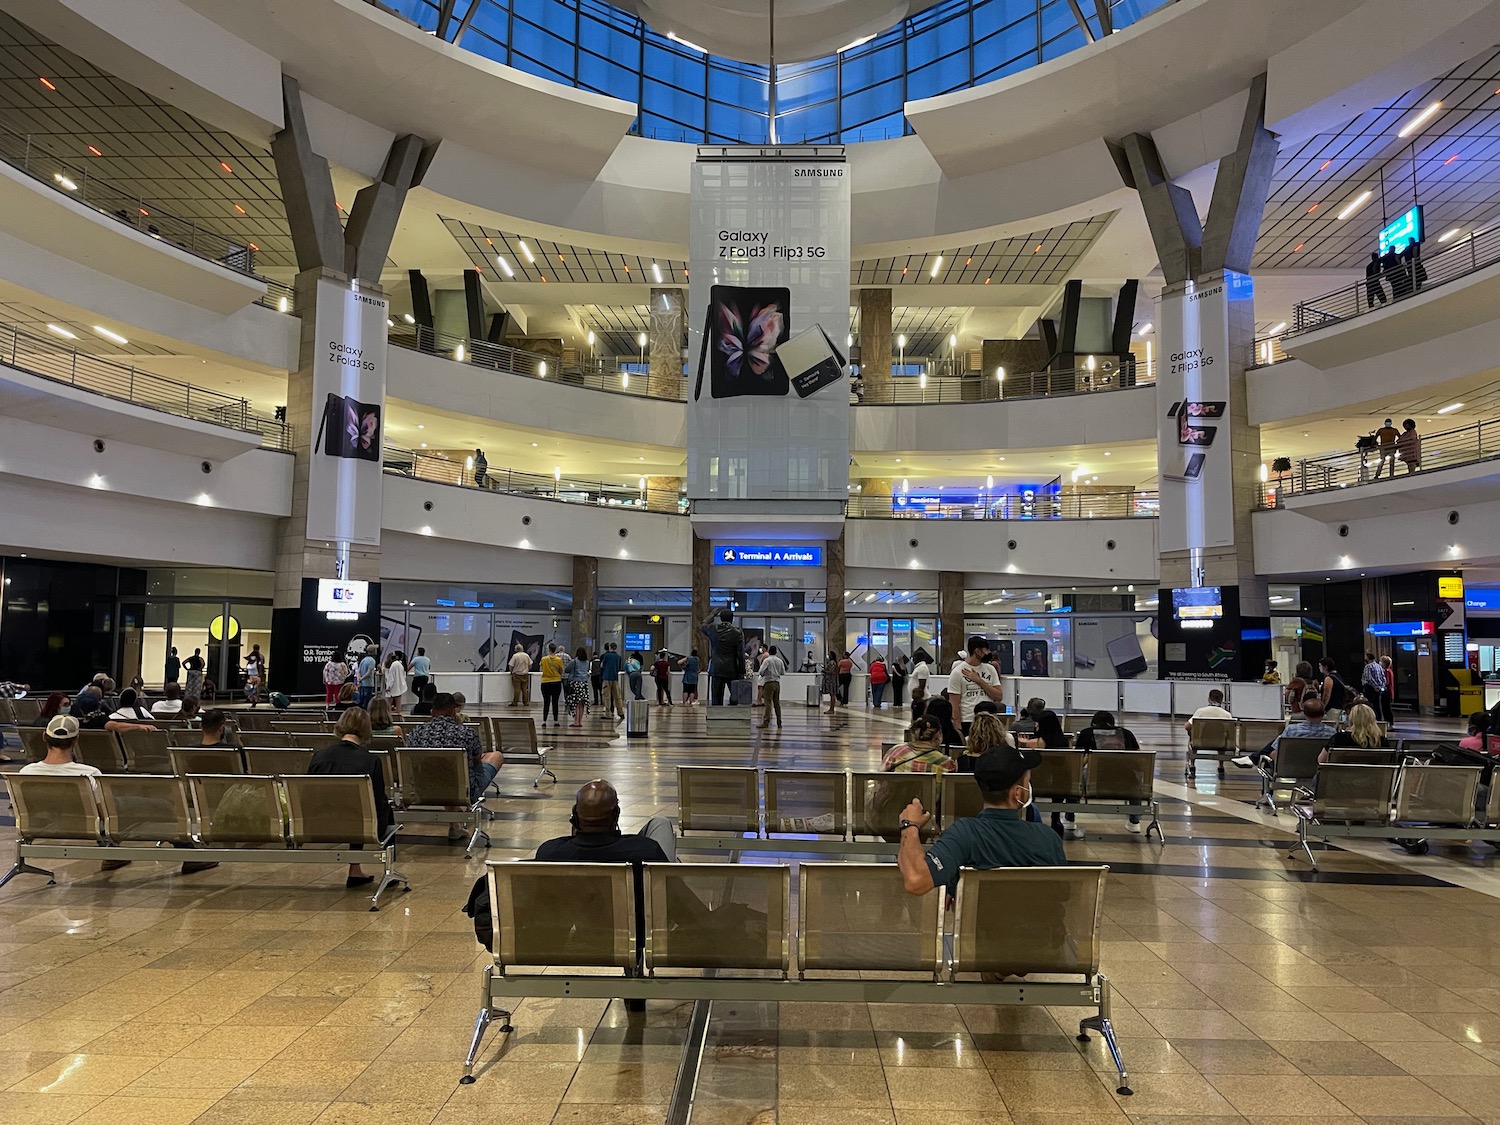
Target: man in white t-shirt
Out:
[974,679]
[920,672]
[1213,710]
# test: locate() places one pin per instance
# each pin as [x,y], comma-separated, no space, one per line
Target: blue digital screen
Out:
[1482,600]
[744,554]
[1400,629]
[1197,602]
[637,642]
[1403,231]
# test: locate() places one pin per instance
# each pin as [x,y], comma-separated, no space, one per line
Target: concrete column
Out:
[662,493]
[668,330]
[702,584]
[585,600]
[875,342]
[833,563]
[951,634]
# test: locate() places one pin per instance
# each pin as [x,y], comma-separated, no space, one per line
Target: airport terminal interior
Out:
[416,414]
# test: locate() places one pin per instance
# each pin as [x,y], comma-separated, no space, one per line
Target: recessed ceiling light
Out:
[1278,327]
[533,445]
[1417,122]
[47,83]
[108,335]
[504,266]
[1451,407]
[64,181]
[1359,201]
[1454,233]
[58,330]
[408,318]
[94,150]
[526,250]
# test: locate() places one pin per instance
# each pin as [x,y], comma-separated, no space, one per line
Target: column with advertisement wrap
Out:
[768,329]
[347,423]
[1195,459]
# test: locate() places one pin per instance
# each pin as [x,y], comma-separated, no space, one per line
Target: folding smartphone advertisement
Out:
[348,394]
[768,324]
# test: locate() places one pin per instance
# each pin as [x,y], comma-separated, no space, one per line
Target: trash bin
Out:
[637,718]
[814,696]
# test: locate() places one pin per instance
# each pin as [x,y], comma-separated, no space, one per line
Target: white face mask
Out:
[1027,803]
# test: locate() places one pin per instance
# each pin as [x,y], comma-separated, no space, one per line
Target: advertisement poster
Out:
[322,634]
[768,328]
[1194,467]
[347,423]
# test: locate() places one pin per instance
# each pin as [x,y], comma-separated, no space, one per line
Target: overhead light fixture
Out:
[94,150]
[64,181]
[557,472]
[108,335]
[541,369]
[937,265]
[504,266]
[591,339]
[901,341]
[458,353]
[656,273]
[47,83]
[1000,378]
[688,43]
[408,318]
[989,482]
[1451,407]
[59,330]
[642,339]
[1143,329]
[526,251]
[1359,201]
[283,305]
[1452,234]
[953,341]
[1278,327]
[389,323]
[860,42]
[226,167]
[1419,120]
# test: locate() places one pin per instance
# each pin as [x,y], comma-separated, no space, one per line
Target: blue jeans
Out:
[877,692]
[363,697]
[480,774]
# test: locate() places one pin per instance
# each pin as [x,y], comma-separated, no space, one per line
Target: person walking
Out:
[576,685]
[552,677]
[255,674]
[520,677]
[772,668]
[481,468]
[1374,287]
[194,665]
[335,672]
[830,680]
[396,681]
[596,678]
[633,675]
[1409,446]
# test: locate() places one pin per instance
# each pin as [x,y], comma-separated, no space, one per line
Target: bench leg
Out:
[543,772]
[481,1025]
[1268,793]
[479,813]
[1302,844]
[23,868]
[388,876]
[1156,824]
[1101,1023]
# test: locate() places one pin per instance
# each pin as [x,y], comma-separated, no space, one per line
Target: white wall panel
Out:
[1022,423]
[1289,544]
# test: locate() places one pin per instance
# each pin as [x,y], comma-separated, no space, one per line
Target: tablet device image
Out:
[1126,655]
[810,361]
[745,326]
[1192,470]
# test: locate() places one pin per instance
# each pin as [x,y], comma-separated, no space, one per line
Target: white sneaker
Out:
[1135,826]
[1244,761]
[1073,832]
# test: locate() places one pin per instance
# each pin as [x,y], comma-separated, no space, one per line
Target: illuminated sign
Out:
[1403,231]
[1450,587]
[1482,600]
[751,555]
[1401,629]
[336,596]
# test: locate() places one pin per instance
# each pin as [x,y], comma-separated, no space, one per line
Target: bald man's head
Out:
[596,808]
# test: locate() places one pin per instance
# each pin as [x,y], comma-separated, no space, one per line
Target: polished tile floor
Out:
[1247,988]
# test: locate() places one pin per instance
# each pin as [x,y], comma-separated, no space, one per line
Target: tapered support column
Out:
[950,618]
[875,342]
[585,600]
[668,330]
[702,577]
[833,559]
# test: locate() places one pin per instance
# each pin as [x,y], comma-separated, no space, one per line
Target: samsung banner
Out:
[1194,464]
[348,407]
[768,326]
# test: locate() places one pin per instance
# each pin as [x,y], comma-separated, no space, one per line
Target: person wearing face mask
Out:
[998,837]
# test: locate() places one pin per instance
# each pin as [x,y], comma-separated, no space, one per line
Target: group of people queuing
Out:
[369,679]
[1403,272]
[836,677]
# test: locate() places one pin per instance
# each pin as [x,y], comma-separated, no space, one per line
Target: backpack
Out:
[478,908]
[596,667]
[1342,696]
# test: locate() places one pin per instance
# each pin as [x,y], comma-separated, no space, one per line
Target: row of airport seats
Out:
[729,932]
[224,818]
[838,807]
[1221,739]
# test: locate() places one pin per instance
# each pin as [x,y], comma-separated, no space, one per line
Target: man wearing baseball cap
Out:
[998,837]
[62,736]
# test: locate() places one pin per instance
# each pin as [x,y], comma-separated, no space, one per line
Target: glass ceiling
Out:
[685,94]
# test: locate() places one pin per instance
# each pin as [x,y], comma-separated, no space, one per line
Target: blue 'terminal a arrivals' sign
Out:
[736,554]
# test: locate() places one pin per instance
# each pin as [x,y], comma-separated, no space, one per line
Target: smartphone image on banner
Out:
[811,361]
[744,327]
[1126,655]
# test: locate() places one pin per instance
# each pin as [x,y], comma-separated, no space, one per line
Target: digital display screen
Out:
[335,596]
[637,642]
[1196,603]
[1402,231]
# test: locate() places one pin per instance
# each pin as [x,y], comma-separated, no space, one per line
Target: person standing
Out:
[772,668]
[194,665]
[596,677]
[1372,684]
[879,677]
[1409,446]
[1374,287]
[633,675]
[576,685]
[974,679]
[898,682]
[830,680]
[255,674]
[520,677]
[481,468]
[421,673]
[726,655]
[396,683]
[366,685]
[690,668]
[173,669]
[1270,675]
[661,672]
[846,678]
[921,671]
[1389,705]
[1386,438]
[552,675]
[610,665]
[335,672]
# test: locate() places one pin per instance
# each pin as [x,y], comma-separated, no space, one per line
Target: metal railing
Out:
[1101,504]
[1466,445]
[21,152]
[39,356]
[1124,503]
[1474,253]
[606,375]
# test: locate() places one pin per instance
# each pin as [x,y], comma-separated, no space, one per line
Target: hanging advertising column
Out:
[1194,458]
[768,331]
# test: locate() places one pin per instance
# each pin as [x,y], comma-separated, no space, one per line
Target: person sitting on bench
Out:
[1311,726]
[596,835]
[997,837]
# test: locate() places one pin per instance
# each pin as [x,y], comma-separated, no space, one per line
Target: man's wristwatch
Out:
[905,824]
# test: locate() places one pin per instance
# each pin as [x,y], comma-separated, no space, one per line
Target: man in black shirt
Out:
[596,836]
[726,661]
